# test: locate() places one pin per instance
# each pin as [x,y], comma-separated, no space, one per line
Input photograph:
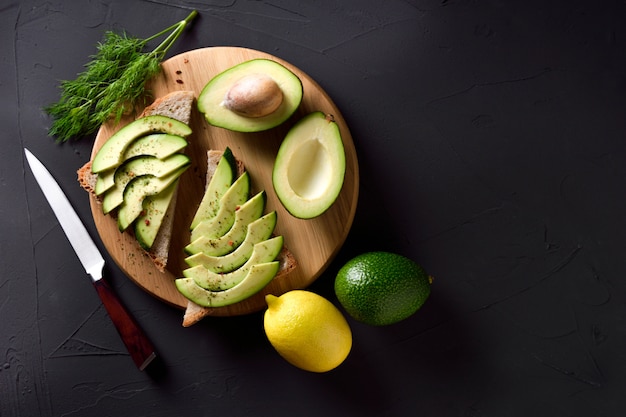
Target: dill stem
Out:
[176,29]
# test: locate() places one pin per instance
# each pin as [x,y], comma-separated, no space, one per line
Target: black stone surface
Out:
[491,137]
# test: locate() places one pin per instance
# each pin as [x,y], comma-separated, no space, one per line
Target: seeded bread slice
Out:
[194,313]
[177,105]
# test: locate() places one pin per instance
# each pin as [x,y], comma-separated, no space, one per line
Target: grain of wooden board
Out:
[313,242]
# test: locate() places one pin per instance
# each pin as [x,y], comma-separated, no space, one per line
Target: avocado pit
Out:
[254,95]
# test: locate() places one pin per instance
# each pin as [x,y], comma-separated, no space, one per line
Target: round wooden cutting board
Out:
[314,242]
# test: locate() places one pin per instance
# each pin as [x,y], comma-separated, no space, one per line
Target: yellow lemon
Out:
[307,330]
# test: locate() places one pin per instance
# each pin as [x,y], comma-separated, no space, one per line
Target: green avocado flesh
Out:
[310,166]
[155,208]
[212,97]
[250,211]
[137,190]
[263,252]
[232,251]
[234,197]
[220,182]
[258,231]
[258,276]
[159,145]
[112,152]
[136,167]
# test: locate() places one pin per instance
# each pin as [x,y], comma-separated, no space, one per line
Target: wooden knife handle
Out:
[137,343]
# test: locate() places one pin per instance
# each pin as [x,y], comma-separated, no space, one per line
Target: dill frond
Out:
[112,82]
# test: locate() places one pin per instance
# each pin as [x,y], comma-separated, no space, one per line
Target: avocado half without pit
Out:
[253,96]
[310,166]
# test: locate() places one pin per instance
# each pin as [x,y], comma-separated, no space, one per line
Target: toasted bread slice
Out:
[194,313]
[177,105]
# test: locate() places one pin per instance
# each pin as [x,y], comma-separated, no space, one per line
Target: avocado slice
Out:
[310,166]
[257,278]
[135,167]
[258,231]
[214,97]
[236,195]
[250,211]
[155,208]
[263,252]
[159,145]
[222,179]
[137,190]
[111,154]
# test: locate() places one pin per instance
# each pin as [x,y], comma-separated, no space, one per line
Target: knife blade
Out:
[139,346]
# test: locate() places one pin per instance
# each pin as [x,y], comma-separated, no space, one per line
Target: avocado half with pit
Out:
[310,166]
[253,96]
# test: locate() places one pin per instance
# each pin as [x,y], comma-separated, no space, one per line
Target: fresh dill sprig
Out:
[112,82]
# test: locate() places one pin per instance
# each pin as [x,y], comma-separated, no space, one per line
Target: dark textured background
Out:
[491,138]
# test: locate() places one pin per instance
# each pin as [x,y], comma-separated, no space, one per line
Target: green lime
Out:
[381,288]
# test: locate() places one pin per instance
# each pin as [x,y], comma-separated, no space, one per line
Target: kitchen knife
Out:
[138,345]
